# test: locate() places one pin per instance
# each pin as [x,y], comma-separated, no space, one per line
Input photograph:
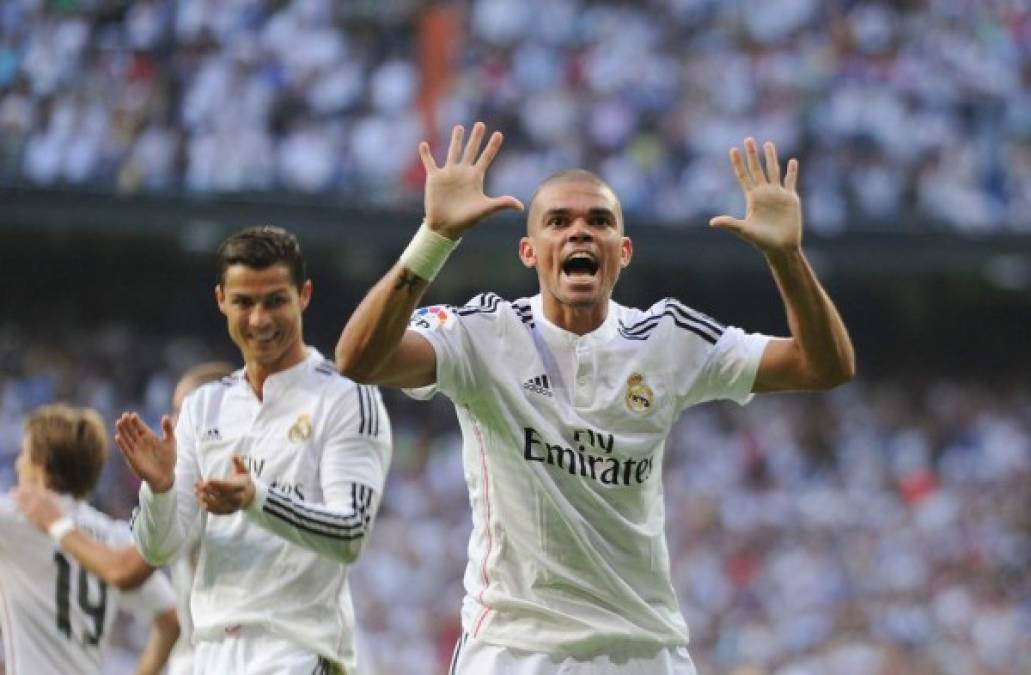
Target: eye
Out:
[242,302]
[600,220]
[557,221]
[275,301]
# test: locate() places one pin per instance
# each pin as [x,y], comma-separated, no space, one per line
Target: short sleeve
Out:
[447,331]
[727,370]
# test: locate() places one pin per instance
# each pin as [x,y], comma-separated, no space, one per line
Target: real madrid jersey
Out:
[56,616]
[563,445]
[318,447]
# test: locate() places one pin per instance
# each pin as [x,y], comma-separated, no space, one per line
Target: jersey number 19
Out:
[96,610]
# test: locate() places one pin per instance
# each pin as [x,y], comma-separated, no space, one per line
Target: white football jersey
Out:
[56,616]
[563,446]
[318,448]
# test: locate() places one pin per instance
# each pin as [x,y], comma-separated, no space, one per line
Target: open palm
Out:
[455,200]
[151,458]
[773,210]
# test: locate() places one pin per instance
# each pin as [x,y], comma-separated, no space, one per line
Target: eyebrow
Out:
[596,211]
[249,296]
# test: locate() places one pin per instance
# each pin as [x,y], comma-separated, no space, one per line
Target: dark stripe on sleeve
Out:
[361,410]
[321,522]
[642,329]
[694,315]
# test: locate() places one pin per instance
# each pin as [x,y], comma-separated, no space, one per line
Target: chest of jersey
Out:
[277,439]
[611,397]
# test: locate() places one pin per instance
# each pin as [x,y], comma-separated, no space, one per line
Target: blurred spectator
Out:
[907,115]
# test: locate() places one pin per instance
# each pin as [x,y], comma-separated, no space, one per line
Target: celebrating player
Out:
[280,466]
[57,617]
[565,401]
[123,566]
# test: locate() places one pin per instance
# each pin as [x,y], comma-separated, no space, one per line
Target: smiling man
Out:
[280,466]
[566,399]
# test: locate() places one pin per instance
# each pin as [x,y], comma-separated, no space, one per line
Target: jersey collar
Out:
[603,333]
[290,376]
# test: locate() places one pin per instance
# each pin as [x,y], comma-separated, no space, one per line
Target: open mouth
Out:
[580,264]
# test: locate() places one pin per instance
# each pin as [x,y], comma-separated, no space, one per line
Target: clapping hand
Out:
[229,495]
[152,459]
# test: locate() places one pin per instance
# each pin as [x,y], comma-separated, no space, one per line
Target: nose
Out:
[259,317]
[580,231]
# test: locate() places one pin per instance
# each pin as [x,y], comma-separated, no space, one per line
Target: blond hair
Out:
[70,444]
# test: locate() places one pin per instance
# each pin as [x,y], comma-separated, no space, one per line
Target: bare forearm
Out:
[814,321]
[374,331]
[121,567]
[162,639]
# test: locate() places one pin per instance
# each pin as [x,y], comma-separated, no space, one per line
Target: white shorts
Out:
[474,657]
[258,653]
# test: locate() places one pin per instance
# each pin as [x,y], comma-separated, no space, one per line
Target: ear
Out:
[626,252]
[305,295]
[526,253]
[220,298]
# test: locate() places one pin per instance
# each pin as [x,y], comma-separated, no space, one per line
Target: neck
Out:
[577,319]
[257,372]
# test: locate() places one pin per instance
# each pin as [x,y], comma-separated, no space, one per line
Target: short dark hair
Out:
[70,444]
[573,176]
[259,248]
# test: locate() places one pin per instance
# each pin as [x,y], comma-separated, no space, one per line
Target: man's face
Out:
[263,310]
[29,473]
[575,240]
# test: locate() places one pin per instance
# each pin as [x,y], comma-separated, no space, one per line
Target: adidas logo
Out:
[212,434]
[538,385]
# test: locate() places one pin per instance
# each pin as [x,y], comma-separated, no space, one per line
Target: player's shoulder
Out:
[211,393]
[668,315]
[482,309]
[337,389]
[491,307]
[102,526]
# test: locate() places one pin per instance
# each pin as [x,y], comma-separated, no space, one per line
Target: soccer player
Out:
[565,400]
[56,616]
[280,466]
[123,566]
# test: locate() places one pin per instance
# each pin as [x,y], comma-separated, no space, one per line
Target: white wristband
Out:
[60,527]
[427,252]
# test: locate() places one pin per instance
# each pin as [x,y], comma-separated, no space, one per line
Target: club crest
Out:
[301,430]
[639,396]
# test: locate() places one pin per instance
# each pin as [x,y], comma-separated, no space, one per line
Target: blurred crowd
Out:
[905,115]
[882,529]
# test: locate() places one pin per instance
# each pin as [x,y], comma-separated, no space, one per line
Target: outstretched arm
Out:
[375,347]
[120,566]
[819,353]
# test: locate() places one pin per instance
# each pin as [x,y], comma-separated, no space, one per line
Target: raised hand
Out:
[39,505]
[152,459]
[229,495]
[773,211]
[454,199]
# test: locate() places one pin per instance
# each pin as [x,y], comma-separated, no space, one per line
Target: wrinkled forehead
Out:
[574,195]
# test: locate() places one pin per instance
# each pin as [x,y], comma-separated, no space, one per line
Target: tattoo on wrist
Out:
[407,280]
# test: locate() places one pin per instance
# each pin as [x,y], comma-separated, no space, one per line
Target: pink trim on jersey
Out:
[490,539]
